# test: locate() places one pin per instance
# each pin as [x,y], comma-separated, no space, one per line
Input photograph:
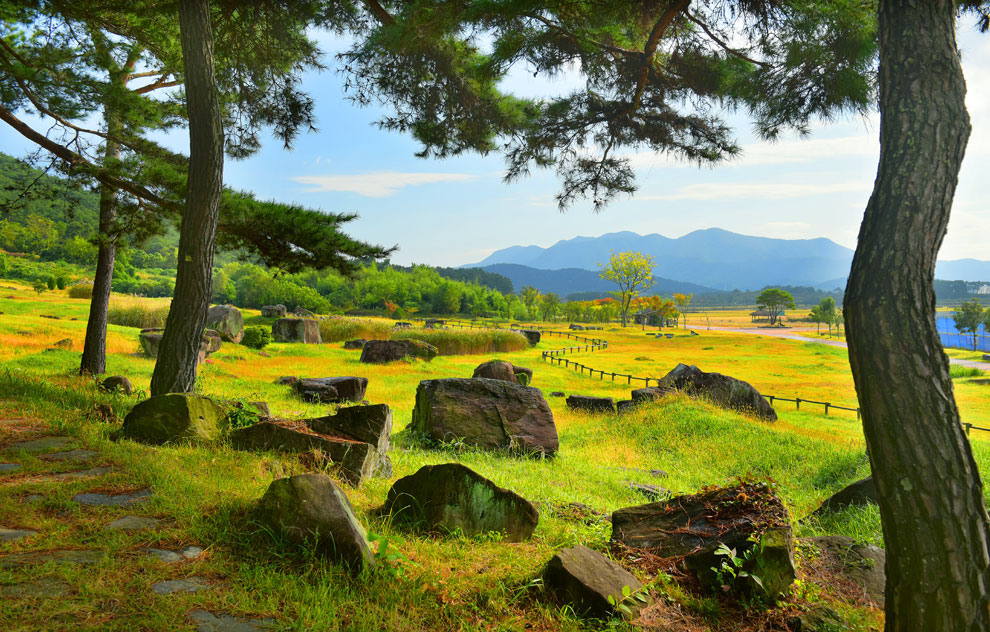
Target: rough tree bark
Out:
[934,516]
[175,371]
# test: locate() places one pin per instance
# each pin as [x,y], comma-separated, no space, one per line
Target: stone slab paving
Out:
[44,443]
[44,588]
[9,467]
[71,455]
[9,535]
[209,622]
[33,498]
[114,500]
[133,523]
[83,557]
[171,557]
[193,584]
[92,472]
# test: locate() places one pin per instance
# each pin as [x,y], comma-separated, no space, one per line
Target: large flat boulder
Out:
[308,508]
[175,418]
[693,528]
[274,311]
[451,498]
[384,351]
[370,424]
[591,404]
[862,492]
[304,330]
[331,390]
[719,389]
[226,320]
[490,414]
[590,583]
[355,460]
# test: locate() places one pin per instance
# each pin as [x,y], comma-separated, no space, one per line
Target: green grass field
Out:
[204,495]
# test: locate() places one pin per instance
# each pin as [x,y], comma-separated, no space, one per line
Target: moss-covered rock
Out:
[176,417]
[227,321]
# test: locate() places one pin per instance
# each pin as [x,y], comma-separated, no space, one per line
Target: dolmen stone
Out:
[862,564]
[355,459]
[173,418]
[649,394]
[331,390]
[369,424]
[589,582]
[591,404]
[742,517]
[151,340]
[357,343]
[489,414]
[862,492]
[432,323]
[117,383]
[574,327]
[309,507]
[287,380]
[383,351]
[226,320]
[302,330]
[502,370]
[532,335]
[721,390]
[274,311]
[453,498]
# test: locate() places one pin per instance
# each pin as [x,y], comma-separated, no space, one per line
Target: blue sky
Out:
[457,211]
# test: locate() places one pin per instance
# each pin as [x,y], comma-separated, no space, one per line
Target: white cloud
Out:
[759,190]
[379,183]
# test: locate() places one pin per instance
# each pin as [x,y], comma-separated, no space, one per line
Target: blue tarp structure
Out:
[952,338]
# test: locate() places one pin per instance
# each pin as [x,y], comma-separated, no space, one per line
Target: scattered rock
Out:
[591,404]
[174,417]
[432,323]
[80,474]
[274,311]
[383,351]
[113,500]
[652,492]
[44,588]
[151,340]
[44,443]
[574,327]
[451,497]
[402,325]
[133,523]
[722,390]
[862,564]
[208,622]
[580,512]
[310,507]
[171,557]
[649,394]
[625,406]
[523,375]
[355,459]
[694,527]
[35,558]
[287,380]
[65,343]
[116,383]
[532,335]
[302,312]
[331,390]
[862,492]
[818,619]
[491,414]
[9,467]
[302,330]
[9,535]
[227,321]
[193,584]
[558,394]
[585,579]
[496,370]
[71,455]
[355,344]
[369,424]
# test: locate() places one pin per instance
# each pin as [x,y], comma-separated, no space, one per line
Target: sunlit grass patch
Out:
[341,329]
[137,312]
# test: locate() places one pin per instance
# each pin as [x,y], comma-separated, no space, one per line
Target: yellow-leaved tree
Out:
[632,272]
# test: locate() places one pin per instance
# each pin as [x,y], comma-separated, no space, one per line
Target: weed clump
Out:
[257,337]
[81,290]
[138,314]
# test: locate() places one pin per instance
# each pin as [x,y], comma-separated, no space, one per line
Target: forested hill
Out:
[27,194]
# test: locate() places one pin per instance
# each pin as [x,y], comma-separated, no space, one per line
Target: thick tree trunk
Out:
[929,490]
[177,357]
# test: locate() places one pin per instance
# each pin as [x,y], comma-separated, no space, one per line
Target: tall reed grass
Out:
[340,329]
[461,342]
[137,312]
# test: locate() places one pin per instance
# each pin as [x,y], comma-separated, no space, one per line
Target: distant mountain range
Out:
[701,261]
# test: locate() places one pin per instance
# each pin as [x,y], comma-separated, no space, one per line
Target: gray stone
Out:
[383,351]
[71,455]
[173,418]
[721,390]
[496,370]
[287,380]
[190,552]
[818,618]
[9,467]
[227,321]
[308,508]
[81,474]
[862,492]
[651,492]
[208,622]
[584,580]
[169,557]
[863,564]
[9,535]
[649,394]
[274,311]
[624,406]
[44,588]
[133,523]
[331,390]
[369,424]
[193,584]
[302,330]
[591,404]
[558,394]
[33,498]
[44,443]
[36,558]
[490,414]
[114,500]
[116,383]
[355,459]
[355,344]
[451,497]
[532,335]
[151,340]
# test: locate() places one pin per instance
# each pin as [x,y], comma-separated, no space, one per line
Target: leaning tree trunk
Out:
[179,351]
[94,355]
[935,521]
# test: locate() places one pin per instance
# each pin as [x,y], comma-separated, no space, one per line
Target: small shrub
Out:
[81,290]
[956,370]
[51,282]
[39,286]
[140,314]
[341,329]
[60,282]
[256,337]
